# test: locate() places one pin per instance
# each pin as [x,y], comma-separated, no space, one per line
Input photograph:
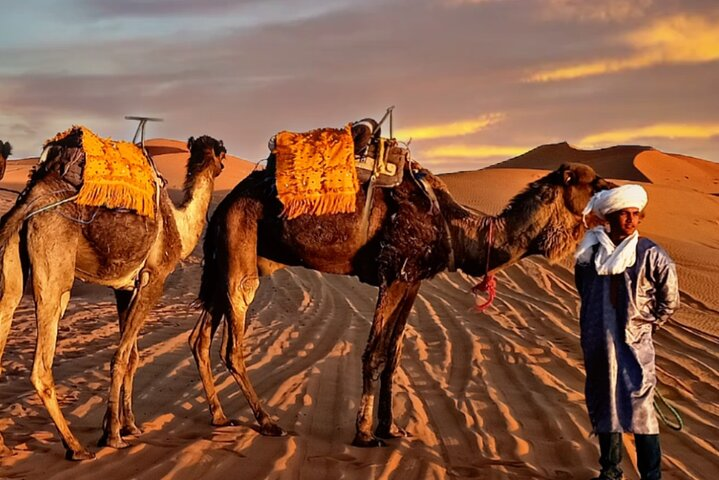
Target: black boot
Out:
[649,456]
[610,449]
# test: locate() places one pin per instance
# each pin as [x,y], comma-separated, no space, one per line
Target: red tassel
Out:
[488,285]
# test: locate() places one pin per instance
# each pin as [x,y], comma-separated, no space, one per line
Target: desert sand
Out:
[497,395]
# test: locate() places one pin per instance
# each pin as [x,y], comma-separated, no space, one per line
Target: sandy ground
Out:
[496,395]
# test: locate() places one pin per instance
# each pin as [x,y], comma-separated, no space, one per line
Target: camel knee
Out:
[242,291]
[121,361]
[44,386]
[235,362]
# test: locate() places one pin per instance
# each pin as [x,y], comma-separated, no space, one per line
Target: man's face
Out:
[624,222]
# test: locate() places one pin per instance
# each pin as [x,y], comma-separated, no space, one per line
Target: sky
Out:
[473,82]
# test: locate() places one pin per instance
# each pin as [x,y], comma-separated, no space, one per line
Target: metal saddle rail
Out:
[140,132]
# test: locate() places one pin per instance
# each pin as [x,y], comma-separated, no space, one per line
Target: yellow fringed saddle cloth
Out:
[316,172]
[116,174]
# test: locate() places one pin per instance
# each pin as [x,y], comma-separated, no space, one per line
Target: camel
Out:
[130,253]
[5,151]
[407,241]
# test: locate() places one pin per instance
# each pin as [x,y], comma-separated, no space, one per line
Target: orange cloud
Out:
[673,40]
[453,129]
[661,130]
[474,151]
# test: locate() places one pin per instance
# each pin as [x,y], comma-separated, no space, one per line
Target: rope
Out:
[679,422]
[52,205]
[489,283]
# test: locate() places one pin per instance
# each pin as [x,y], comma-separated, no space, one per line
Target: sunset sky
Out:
[473,81]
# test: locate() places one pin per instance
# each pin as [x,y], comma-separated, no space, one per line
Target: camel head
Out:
[5,151]
[549,212]
[205,152]
[580,183]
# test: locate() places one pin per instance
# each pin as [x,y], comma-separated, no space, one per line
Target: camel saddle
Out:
[385,160]
[105,172]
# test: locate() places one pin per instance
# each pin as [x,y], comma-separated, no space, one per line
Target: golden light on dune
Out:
[452,129]
[661,130]
[673,40]
[474,151]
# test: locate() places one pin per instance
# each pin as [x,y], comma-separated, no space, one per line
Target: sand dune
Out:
[612,162]
[627,162]
[496,395]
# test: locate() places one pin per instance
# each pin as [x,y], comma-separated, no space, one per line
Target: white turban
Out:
[615,199]
[611,259]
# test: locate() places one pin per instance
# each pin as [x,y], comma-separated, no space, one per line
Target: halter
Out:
[488,283]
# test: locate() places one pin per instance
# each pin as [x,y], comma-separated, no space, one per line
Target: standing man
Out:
[628,288]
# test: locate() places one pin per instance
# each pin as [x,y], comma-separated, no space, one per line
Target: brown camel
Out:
[5,151]
[129,253]
[408,241]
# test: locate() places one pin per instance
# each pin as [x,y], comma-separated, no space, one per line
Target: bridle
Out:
[488,283]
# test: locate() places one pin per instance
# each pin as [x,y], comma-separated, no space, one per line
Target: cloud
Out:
[660,130]
[674,40]
[474,151]
[602,11]
[595,10]
[453,129]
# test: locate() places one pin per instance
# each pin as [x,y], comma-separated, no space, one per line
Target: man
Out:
[628,288]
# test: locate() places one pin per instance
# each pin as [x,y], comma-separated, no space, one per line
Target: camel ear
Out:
[190,141]
[568,176]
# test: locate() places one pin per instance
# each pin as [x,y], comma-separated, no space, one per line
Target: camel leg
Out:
[14,276]
[14,281]
[52,292]
[127,416]
[386,428]
[242,293]
[145,298]
[389,304]
[200,343]
[243,281]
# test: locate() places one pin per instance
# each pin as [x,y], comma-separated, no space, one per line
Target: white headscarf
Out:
[611,259]
[614,199]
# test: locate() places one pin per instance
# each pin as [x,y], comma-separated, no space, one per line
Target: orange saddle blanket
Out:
[116,174]
[315,172]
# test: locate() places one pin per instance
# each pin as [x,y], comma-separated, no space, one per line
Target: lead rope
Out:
[679,422]
[489,283]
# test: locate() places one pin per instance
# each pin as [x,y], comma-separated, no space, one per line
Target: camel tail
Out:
[10,225]
[212,296]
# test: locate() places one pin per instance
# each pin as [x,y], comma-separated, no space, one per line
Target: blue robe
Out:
[617,341]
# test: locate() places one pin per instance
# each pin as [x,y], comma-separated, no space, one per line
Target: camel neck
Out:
[190,216]
[514,235]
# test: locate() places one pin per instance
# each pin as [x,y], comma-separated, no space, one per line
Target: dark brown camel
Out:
[129,253]
[5,151]
[407,243]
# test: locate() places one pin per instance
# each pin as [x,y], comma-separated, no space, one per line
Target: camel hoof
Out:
[79,455]
[224,422]
[367,442]
[112,442]
[272,430]
[130,430]
[391,432]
